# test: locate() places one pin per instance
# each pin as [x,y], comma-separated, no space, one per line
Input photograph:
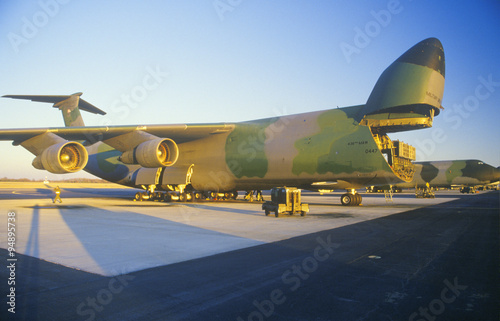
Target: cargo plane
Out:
[468,172]
[471,173]
[341,148]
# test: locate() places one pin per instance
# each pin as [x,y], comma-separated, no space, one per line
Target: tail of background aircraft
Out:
[69,105]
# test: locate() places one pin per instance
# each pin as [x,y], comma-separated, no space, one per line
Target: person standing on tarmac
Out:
[57,190]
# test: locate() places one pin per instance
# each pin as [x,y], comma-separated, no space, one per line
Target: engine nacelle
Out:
[161,152]
[62,158]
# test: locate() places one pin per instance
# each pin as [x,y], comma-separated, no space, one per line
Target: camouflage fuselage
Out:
[457,172]
[293,150]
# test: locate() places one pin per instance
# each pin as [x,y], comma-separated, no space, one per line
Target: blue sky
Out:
[166,62]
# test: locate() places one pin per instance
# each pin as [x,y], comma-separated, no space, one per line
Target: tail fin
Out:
[69,105]
[409,92]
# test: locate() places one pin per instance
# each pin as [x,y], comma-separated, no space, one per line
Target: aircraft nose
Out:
[497,174]
[412,84]
[428,53]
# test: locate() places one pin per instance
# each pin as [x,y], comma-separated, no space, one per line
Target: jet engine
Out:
[160,152]
[62,158]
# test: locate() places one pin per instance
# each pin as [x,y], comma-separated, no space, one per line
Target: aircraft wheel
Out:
[182,197]
[138,196]
[267,212]
[347,199]
[167,197]
[358,198]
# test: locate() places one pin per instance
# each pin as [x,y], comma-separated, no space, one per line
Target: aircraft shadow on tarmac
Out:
[224,209]
[119,235]
[332,215]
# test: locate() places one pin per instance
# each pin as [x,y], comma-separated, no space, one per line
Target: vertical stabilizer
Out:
[70,111]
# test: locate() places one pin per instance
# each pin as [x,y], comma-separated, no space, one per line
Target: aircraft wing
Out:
[120,137]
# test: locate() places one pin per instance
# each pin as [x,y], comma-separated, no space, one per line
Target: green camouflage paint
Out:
[407,83]
[72,117]
[479,170]
[455,170]
[467,172]
[341,146]
[245,155]
[429,172]
[357,152]
[416,77]
[107,158]
[334,125]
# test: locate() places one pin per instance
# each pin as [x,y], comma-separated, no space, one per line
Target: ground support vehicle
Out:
[285,200]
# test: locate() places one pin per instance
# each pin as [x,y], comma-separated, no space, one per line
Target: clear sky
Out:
[196,61]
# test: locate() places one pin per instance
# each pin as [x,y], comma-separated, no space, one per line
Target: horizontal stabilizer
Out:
[55,99]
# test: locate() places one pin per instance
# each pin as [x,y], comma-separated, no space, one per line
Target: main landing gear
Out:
[351,198]
[182,195]
[424,192]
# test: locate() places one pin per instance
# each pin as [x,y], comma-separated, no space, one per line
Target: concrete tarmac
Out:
[104,257]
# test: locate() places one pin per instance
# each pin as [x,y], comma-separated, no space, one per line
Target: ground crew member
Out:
[58,195]
[249,196]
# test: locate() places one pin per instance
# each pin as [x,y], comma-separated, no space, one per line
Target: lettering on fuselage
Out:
[364,142]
